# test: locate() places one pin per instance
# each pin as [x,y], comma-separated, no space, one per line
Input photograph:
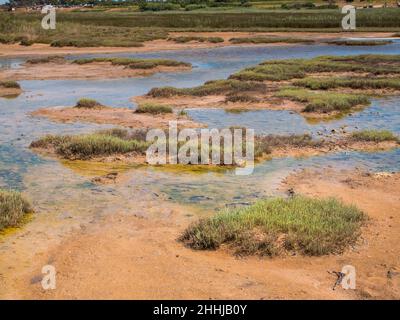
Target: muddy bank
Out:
[16,50]
[376,258]
[340,145]
[68,70]
[267,102]
[116,116]
[319,88]
[10,92]
[123,147]
[146,261]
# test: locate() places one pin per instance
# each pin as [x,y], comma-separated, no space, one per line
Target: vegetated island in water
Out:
[9,88]
[57,67]
[321,87]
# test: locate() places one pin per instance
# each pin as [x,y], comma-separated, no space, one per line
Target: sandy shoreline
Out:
[116,116]
[4,92]
[128,118]
[16,50]
[135,257]
[68,70]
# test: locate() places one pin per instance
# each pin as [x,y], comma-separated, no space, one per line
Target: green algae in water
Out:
[195,169]
[94,168]
[28,217]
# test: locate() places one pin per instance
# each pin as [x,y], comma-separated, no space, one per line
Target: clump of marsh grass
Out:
[95,42]
[135,63]
[153,108]
[186,39]
[272,72]
[86,103]
[266,144]
[9,84]
[182,113]
[13,207]
[229,86]
[351,82]
[235,97]
[323,102]
[263,39]
[49,59]
[288,69]
[299,224]
[360,42]
[374,135]
[87,146]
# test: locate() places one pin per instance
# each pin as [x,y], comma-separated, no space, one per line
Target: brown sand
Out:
[67,70]
[218,101]
[118,116]
[132,257]
[268,102]
[4,92]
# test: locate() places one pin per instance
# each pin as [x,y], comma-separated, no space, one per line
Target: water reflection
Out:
[53,184]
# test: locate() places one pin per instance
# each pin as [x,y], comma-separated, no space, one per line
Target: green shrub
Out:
[87,146]
[265,144]
[229,86]
[352,82]
[323,102]
[135,63]
[13,207]
[153,108]
[300,224]
[186,39]
[272,72]
[46,59]
[235,97]
[26,42]
[360,42]
[95,42]
[298,5]
[88,104]
[10,84]
[158,6]
[191,7]
[264,39]
[374,135]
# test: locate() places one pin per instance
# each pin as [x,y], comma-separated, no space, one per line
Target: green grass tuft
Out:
[229,86]
[300,224]
[49,59]
[374,135]
[186,39]
[87,146]
[360,42]
[263,39]
[86,103]
[13,207]
[266,144]
[10,84]
[134,63]
[352,82]
[153,108]
[237,97]
[323,102]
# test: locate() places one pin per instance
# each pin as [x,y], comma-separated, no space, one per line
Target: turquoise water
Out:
[18,165]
